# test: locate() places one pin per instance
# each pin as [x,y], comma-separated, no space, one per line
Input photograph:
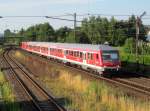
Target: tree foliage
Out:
[94,30]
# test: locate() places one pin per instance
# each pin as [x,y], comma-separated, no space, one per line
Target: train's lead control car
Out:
[94,57]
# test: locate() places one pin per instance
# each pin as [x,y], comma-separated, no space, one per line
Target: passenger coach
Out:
[94,57]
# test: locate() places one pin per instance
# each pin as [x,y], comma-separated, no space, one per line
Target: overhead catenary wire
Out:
[51,17]
[64,19]
[88,22]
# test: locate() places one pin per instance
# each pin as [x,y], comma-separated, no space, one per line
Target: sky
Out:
[62,7]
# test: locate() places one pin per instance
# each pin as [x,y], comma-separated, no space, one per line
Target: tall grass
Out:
[85,95]
[7,96]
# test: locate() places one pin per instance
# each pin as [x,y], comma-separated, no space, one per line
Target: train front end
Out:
[111,60]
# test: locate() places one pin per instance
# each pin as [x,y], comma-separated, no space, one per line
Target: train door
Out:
[90,58]
[97,59]
[84,57]
[65,53]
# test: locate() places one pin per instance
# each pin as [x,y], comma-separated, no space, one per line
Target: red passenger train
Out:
[98,58]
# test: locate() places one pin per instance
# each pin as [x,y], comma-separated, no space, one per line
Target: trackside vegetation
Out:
[8,102]
[7,97]
[143,59]
[84,95]
[127,52]
[78,93]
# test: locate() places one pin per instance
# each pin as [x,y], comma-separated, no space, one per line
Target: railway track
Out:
[40,98]
[136,86]
[21,94]
[142,83]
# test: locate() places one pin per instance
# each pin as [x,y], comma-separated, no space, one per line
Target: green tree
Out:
[94,30]
[7,33]
[62,33]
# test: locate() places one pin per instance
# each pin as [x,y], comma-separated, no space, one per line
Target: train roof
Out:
[74,46]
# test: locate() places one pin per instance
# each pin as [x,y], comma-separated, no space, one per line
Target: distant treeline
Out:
[94,30]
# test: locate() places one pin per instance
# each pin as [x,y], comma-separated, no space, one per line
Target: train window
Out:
[52,50]
[74,53]
[110,55]
[77,54]
[97,57]
[71,53]
[67,52]
[84,57]
[91,56]
[81,54]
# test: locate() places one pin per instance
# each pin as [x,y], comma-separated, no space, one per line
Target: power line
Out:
[22,16]
[110,15]
[85,14]
[62,15]
[58,17]
[51,17]
[62,19]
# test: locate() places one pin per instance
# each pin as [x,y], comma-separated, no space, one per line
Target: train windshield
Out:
[110,55]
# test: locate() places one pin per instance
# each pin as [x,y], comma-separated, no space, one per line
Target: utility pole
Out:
[75,25]
[137,36]
[138,23]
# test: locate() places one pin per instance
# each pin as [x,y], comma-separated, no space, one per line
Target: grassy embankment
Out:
[82,94]
[7,98]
